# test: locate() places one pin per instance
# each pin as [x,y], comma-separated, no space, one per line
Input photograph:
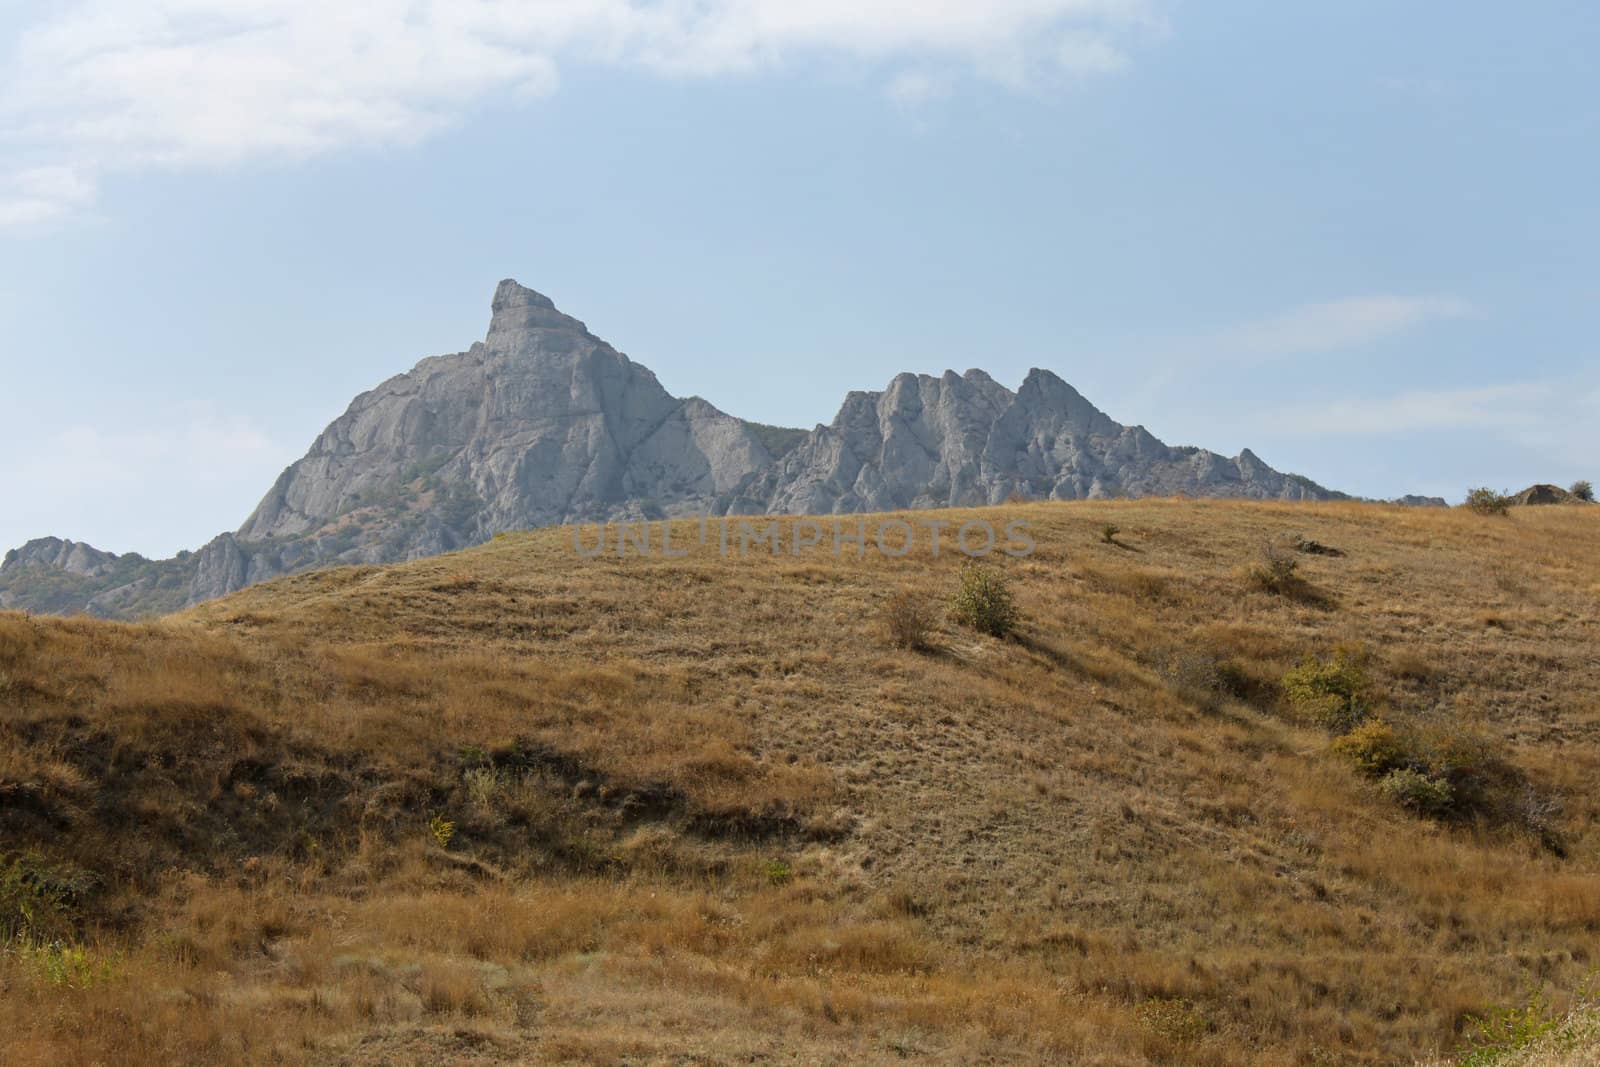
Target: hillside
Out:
[543,423]
[509,804]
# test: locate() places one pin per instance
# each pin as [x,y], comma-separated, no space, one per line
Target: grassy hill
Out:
[1212,803]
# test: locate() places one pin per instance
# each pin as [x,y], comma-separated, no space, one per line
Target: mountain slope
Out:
[543,423]
[703,811]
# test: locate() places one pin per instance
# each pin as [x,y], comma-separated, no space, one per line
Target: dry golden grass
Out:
[705,807]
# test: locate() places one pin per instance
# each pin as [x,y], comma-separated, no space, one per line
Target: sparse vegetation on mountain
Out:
[701,812]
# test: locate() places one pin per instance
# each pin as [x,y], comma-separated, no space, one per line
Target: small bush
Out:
[68,966]
[442,830]
[1502,1031]
[907,620]
[984,601]
[1486,501]
[1331,693]
[1108,533]
[36,898]
[483,786]
[1176,1019]
[1203,679]
[1277,571]
[1418,792]
[778,872]
[1413,666]
[1583,490]
[1376,748]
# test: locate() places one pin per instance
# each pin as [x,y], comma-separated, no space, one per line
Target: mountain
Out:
[544,423]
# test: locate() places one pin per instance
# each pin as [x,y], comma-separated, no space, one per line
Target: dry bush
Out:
[908,621]
[1277,571]
[1413,666]
[1204,679]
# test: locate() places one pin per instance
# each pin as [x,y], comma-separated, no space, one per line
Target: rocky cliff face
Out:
[540,423]
[543,423]
[965,440]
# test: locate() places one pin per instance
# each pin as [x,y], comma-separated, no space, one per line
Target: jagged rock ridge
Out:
[544,423]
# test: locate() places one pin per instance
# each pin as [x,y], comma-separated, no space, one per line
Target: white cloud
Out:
[39,194]
[98,86]
[1339,324]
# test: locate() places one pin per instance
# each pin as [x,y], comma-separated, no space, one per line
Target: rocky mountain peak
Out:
[71,557]
[511,293]
[544,423]
[516,311]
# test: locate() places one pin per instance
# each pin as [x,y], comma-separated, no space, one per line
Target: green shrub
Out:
[442,830]
[1331,693]
[778,872]
[1418,792]
[36,897]
[1486,501]
[68,966]
[1583,490]
[1108,533]
[984,602]
[1376,748]
[1502,1031]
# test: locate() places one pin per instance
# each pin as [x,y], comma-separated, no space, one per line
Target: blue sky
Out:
[1361,239]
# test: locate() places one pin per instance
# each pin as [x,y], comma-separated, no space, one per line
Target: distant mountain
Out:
[543,423]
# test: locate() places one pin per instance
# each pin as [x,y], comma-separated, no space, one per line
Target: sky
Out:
[1361,239]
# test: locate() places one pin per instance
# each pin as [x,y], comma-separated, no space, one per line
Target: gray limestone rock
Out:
[544,423]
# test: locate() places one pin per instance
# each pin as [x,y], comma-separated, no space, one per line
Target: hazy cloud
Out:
[42,193]
[97,86]
[912,88]
[141,483]
[1554,416]
[1338,324]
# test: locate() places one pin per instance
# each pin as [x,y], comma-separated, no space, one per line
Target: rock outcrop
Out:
[962,440]
[544,423]
[1544,493]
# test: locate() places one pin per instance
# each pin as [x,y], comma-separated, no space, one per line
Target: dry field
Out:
[513,805]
